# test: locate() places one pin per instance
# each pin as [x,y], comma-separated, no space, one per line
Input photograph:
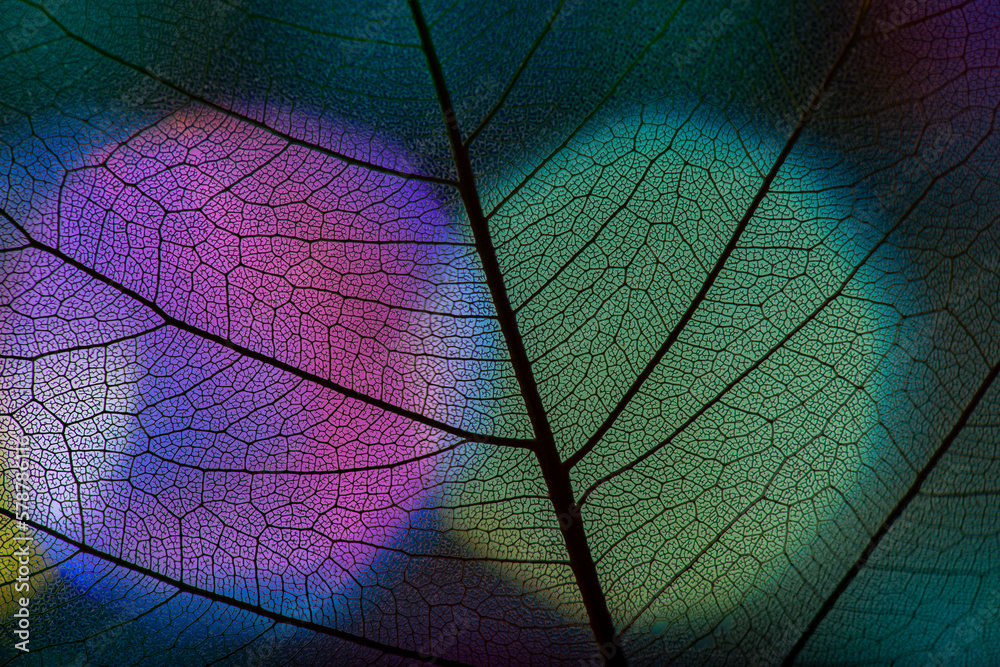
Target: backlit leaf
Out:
[540,333]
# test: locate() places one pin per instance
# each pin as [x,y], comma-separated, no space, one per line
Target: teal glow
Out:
[603,251]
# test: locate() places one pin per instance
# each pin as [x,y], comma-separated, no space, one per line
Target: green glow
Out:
[636,210]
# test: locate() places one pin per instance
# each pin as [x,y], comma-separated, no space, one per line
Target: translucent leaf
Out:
[499,334]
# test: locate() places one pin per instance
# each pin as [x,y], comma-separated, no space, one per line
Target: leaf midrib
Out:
[555,475]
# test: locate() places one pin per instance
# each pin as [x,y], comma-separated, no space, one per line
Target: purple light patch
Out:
[229,473]
[293,254]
